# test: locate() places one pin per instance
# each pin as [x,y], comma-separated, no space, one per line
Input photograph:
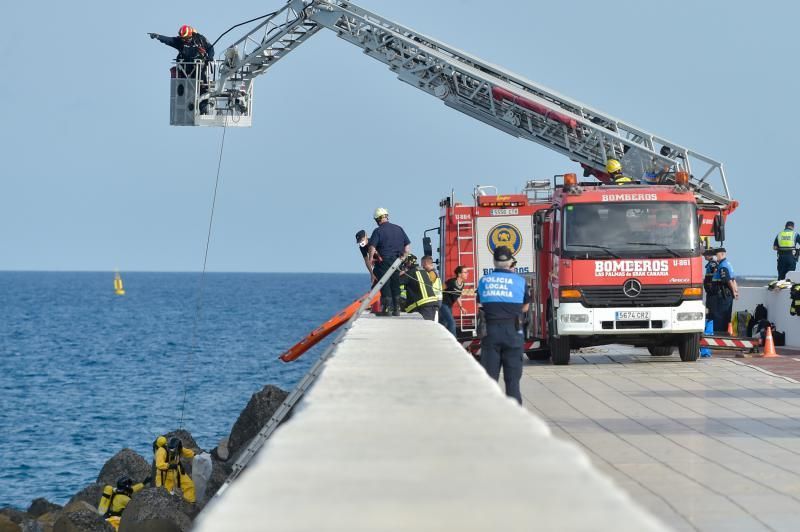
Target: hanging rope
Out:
[199,303]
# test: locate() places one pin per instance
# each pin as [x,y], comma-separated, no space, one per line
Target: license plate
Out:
[504,212]
[631,315]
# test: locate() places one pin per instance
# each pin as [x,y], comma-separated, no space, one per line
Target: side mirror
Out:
[719,228]
[538,218]
[427,248]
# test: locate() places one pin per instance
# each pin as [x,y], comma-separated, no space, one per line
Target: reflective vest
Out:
[622,180]
[786,239]
[423,289]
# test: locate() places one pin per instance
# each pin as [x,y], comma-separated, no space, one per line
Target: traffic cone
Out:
[769,346]
[730,329]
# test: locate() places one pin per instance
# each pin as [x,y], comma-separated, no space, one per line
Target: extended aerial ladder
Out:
[486,92]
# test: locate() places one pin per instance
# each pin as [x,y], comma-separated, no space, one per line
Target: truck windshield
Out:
[630,229]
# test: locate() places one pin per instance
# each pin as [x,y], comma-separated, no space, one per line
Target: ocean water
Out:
[84,373]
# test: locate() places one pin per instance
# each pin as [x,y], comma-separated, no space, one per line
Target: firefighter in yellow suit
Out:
[170,472]
[114,500]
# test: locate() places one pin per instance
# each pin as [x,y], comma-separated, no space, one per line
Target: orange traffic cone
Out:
[730,329]
[769,346]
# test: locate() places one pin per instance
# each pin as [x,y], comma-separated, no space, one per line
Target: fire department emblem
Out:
[504,235]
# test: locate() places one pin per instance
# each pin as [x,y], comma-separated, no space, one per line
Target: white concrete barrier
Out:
[404,431]
[777,303]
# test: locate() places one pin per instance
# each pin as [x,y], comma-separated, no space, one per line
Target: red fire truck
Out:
[605,263]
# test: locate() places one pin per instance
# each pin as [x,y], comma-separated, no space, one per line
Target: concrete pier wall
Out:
[404,431]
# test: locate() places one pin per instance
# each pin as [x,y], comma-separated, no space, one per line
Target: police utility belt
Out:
[720,289]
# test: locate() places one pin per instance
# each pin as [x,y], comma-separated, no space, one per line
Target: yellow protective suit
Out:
[170,473]
[113,503]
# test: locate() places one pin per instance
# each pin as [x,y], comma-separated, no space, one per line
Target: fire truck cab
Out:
[604,263]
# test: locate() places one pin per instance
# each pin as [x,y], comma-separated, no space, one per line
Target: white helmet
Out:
[380,212]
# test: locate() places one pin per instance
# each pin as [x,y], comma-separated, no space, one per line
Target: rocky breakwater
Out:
[151,509]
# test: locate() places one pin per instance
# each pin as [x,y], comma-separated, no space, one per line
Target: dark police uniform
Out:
[786,241]
[723,298]
[708,284]
[390,241]
[502,295]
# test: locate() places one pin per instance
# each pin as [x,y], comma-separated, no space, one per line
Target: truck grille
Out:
[651,296]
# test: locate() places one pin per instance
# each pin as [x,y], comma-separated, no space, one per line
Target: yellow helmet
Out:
[161,441]
[380,212]
[613,166]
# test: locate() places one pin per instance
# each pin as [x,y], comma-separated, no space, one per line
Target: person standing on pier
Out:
[390,242]
[452,296]
[725,290]
[786,244]
[363,247]
[504,298]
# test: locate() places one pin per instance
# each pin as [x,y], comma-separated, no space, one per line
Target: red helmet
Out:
[185,31]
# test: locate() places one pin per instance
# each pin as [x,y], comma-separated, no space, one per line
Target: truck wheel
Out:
[559,350]
[661,350]
[689,347]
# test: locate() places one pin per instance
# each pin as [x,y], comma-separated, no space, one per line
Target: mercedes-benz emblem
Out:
[632,288]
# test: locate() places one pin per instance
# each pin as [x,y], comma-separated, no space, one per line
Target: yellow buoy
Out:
[118,288]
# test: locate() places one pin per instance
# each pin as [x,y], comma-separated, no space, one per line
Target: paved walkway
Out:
[712,445]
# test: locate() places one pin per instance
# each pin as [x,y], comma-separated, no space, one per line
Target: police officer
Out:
[423,291]
[726,290]
[711,267]
[390,242]
[786,244]
[503,298]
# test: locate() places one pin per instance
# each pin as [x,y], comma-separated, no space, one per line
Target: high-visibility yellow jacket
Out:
[786,239]
[171,474]
[422,290]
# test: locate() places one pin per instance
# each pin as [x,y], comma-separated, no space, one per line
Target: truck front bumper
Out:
[574,319]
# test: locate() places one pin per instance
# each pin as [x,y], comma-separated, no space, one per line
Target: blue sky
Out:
[94,178]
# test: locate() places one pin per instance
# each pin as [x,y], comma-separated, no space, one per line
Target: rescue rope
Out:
[199,302]
[404,274]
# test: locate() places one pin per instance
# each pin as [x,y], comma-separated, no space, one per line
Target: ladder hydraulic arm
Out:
[500,98]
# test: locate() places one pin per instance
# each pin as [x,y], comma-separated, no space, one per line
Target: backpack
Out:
[741,321]
[759,314]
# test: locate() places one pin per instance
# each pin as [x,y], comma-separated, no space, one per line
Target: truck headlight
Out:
[575,318]
[690,316]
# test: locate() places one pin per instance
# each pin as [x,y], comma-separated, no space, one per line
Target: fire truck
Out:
[605,263]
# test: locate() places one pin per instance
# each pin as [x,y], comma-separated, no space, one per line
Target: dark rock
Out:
[7,525]
[41,506]
[126,462]
[32,525]
[48,520]
[90,495]
[221,451]
[155,510]
[219,473]
[82,520]
[255,415]
[16,516]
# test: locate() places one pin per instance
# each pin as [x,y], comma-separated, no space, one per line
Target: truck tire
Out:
[689,347]
[559,350]
[661,350]
[559,347]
